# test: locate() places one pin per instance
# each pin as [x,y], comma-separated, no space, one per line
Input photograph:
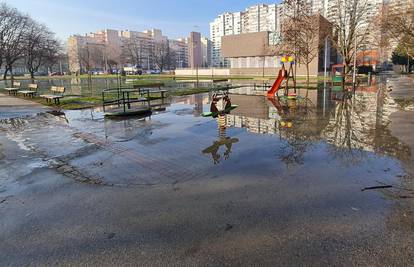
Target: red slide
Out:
[276,86]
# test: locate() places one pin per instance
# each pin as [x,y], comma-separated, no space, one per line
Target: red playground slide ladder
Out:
[276,86]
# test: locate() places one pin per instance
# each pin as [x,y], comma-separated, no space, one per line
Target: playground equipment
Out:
[220,105]
[284,75]
[126,102]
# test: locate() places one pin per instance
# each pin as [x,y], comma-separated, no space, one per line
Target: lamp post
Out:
[355,62]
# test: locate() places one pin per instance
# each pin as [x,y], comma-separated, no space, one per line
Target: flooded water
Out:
[323,136]
[94,87]
[320,180]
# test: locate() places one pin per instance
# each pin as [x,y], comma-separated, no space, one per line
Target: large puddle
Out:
[319,181]
[322,138]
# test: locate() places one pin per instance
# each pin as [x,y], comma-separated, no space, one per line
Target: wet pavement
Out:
[271,183]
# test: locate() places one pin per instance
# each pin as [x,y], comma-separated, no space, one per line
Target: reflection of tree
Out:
[347,129]
[295,129]
[356,126]
[223,140]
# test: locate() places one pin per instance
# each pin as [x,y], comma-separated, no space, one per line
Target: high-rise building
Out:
[206,52]
[195,59]
[254,19]
[270,18]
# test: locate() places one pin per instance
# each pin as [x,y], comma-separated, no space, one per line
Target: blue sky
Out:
[176,18]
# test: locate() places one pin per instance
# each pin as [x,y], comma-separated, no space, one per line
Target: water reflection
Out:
[223,141]
[350,123]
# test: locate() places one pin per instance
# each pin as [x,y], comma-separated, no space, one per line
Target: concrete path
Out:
[11,107]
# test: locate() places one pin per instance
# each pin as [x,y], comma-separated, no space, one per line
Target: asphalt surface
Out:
[61,205]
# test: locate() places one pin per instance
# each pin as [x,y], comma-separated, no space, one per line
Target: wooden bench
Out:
[13,90]
[56,94]
[31,90]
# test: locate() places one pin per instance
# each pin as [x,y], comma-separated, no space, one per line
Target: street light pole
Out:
[355,62]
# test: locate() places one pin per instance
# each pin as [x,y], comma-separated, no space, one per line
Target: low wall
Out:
[257,72]
[202,72]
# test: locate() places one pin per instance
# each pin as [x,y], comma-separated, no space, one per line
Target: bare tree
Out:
[40,47]
[351,25]
[133,51]
[301,32]
[400,20]
[91,56]
[13,28]
[400,29]
[163,56]
[53,53]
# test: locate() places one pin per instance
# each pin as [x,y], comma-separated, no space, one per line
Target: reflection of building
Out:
[259,115]
[358,122]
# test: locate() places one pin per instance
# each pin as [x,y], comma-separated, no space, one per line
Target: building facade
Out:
[255,54]
[254,19]
[180,48]
[195,57]
[111,49]
[206,52]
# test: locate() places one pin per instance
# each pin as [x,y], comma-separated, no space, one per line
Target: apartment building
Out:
[180,47]
[206,51]
[254,19]
[195,57]
[108,49]
[255,54]
[224,24]
[93,50]
[136,49]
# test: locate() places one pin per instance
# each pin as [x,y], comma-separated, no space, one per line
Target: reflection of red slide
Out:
[276,86]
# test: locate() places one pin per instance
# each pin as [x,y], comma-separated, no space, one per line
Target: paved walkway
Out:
[12,107]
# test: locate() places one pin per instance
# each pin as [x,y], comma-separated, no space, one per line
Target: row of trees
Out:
[138,51]
[303,30]
[134,51]
[25,42]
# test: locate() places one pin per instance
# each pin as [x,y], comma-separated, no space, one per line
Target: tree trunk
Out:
[11,73]
[307,75]
[32,74]
[5,73]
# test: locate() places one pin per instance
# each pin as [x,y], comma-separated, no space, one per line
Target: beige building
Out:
[253,19]
[194,50]
[109,49]
[254,54]
[180,47]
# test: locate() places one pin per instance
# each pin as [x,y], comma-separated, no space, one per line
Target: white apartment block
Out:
[206,50]
[270,18]
[253,19]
